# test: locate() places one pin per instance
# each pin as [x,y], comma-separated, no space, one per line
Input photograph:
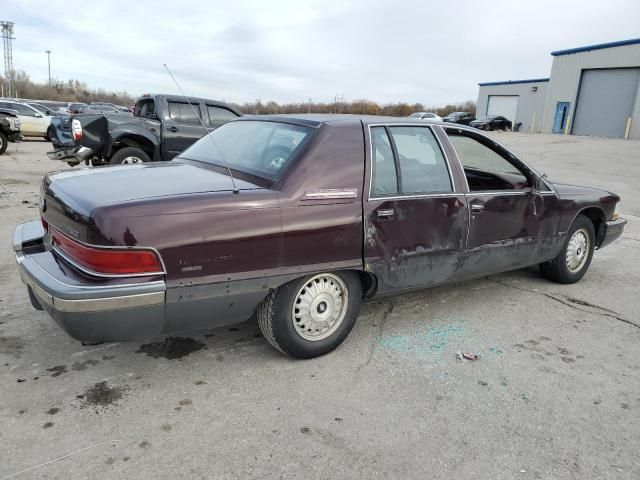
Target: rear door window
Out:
[423,168]
[182,112]
[219,115]
[23,110]
[383,165]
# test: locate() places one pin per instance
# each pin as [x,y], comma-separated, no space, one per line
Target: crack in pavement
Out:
[387,310]
[574,303]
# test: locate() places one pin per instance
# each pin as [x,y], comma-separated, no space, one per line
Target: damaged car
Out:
[297,220]
[9,128]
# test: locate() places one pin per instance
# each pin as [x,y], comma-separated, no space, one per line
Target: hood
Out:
[567,190]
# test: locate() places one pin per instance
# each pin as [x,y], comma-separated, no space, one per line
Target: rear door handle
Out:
[173,129]
[477,207]
[387,213]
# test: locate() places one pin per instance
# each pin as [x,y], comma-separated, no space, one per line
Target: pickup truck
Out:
[162,126]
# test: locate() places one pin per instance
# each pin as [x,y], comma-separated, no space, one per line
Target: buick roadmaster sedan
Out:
[296,220]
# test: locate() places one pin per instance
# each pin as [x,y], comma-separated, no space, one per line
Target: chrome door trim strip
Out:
[331,194]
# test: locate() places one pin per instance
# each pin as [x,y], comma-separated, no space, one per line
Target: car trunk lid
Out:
[70,197]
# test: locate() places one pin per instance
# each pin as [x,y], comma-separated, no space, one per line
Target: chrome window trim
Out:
[442,151]
[422,195]
[522,191]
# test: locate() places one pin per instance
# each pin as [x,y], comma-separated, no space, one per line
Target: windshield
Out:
[259,148]
[417,114]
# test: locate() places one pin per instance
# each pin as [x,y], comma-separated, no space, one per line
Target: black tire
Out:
[4,142]
[48,135]
[276,318]
[557,269]
[127,153]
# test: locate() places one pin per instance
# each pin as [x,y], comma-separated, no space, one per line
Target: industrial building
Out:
[592,90]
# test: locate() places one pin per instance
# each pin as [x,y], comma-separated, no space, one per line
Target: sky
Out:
[433,52]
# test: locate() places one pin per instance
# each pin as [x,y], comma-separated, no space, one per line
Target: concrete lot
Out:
[556,393]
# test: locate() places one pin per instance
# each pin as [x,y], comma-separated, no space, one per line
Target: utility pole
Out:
[7,36]
[309,106]
[338,101]
[48,52]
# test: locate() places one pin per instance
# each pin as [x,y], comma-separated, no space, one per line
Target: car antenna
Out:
[233,182]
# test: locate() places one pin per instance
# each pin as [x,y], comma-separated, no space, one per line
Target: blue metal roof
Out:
[599,46]
[512,82]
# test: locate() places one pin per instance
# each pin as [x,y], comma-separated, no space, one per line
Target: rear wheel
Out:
[3,143]
[574,259]
[309,317]
[129,155]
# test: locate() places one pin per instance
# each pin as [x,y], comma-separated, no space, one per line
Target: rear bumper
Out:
[70,154]
[88,310]
[614,229]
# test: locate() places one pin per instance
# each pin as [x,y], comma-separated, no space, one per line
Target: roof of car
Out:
[318,119]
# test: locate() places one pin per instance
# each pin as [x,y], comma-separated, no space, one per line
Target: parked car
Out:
[101,109]
[161,127]
[126,253]
[117,107]
[9,128]
[463,118]
[43,109]
[492,122]
[32,122]
[426,116]
[74,108]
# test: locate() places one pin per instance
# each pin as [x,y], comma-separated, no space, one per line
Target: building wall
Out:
[565,79]
[529,102]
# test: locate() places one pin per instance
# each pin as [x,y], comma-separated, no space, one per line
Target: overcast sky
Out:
[426,51]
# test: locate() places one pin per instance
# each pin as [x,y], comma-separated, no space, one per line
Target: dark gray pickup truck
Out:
[161,127]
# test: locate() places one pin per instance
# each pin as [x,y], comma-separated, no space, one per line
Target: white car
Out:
[32,122]
[426,116]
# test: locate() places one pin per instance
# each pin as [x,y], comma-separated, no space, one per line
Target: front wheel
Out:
[311,316]
[129,155]
[574,259]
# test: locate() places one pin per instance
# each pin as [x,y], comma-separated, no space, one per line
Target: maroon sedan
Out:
[321,212]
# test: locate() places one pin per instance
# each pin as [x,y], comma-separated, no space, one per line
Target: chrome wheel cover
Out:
[319,307]
[577,250]
[130,160]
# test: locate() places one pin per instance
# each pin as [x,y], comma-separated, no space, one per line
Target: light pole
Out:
[49,64]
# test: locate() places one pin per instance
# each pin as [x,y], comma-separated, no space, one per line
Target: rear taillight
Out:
[45,224]
[108,261]
[76,129]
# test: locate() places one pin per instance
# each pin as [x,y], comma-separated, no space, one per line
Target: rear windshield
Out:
[256,147]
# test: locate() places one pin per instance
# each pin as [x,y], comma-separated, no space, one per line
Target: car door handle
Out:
[387,213]
[173,129]
[477,207]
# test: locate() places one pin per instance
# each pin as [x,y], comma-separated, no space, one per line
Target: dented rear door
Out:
[415,214]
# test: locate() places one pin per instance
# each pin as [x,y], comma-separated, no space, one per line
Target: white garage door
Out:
[606,101]
[505,105]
